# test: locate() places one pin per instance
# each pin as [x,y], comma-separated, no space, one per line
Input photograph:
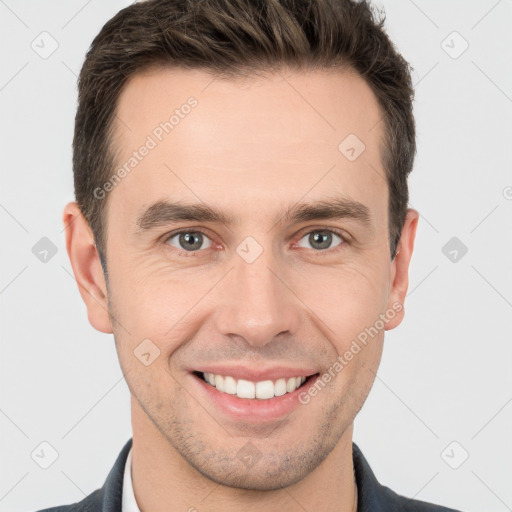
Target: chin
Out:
[263,476]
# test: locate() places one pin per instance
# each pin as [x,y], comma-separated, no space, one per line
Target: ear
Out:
[400,269]
[86,265]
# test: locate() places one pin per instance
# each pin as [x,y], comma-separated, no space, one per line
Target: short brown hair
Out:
[229,37]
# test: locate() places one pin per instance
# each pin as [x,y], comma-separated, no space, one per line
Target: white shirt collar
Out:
[129,504]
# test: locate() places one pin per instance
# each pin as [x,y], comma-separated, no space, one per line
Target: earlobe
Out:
[400,270]
[86,266]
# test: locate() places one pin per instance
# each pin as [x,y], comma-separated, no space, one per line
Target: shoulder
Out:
[375,497]
[106,499]
[399,503]
[91,503]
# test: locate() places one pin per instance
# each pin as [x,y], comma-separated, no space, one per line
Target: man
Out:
[241,227]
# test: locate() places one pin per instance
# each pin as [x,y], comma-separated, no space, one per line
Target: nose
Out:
[256,302]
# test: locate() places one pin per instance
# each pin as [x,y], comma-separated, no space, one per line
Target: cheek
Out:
[346,298]
[349,302]
[151,293]
[153,302]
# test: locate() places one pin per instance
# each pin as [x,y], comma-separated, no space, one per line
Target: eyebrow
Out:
[162,213]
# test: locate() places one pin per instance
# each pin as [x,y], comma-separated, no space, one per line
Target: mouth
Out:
[254,390]
[251,394]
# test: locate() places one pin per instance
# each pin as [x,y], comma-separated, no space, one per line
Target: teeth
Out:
[265,389]
[230,385]
[246,389]
[280,387]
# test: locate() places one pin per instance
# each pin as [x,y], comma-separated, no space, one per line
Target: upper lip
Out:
[256,374]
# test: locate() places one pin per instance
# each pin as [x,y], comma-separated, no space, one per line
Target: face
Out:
[247,254]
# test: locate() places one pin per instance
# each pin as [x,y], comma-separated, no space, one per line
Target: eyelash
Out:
[344,237]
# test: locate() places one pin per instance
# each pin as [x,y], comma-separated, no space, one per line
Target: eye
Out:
[190,241]
[320,239]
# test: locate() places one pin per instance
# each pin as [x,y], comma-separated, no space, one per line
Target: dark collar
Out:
[370,496]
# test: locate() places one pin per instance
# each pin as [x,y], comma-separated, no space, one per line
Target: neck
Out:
[164,481]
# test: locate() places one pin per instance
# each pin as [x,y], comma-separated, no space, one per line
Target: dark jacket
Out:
[372,496]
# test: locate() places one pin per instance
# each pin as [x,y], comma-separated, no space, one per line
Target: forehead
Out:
[238,141]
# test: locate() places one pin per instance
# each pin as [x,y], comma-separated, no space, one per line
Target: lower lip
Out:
[255,409]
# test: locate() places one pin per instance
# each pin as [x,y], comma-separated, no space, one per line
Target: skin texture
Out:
[251,148]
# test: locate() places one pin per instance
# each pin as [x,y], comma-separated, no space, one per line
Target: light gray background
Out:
[446,371]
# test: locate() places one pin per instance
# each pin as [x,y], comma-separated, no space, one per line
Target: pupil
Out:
[190,241]
[318,236]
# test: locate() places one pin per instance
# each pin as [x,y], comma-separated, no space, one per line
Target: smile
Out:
[262,390]
[252,394]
